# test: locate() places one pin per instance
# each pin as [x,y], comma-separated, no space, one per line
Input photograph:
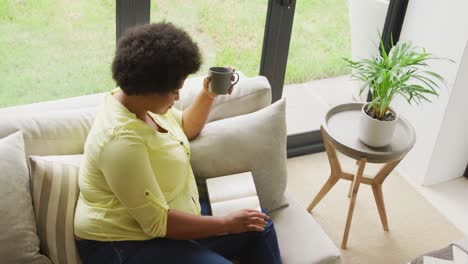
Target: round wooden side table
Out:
[340,132]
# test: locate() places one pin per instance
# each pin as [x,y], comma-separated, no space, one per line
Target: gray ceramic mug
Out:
[221,79]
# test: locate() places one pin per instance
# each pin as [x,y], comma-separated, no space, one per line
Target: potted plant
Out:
[401,71]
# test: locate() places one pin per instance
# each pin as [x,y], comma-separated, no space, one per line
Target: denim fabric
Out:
[249,247]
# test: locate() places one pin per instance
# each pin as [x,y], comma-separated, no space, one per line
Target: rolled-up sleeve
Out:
[126,167]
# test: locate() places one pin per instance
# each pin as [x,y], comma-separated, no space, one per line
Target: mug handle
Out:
[232,84]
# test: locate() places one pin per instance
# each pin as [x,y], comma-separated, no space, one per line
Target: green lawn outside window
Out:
[51,49]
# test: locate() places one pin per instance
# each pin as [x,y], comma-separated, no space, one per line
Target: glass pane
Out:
[315,73]
[227,32]
[52,49]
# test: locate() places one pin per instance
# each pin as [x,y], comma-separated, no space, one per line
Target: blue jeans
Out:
[249,247]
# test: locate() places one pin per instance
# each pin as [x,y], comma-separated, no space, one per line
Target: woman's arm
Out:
[194,117]
[127,169]
[184,226]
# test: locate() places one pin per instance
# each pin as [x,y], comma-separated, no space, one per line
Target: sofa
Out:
[41,146]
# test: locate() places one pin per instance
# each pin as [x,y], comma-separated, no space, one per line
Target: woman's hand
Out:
[206,90]
[246,220]
[206,84]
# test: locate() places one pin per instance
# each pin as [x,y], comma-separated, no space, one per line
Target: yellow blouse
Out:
[132,174]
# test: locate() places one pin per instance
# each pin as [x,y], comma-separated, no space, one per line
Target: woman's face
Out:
[161,103]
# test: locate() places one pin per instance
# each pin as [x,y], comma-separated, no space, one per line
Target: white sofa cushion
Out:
[60,127]
[77,102]
[253,142]
[51,133]
[301,239]
[248,95]
[55,192]
[18,238]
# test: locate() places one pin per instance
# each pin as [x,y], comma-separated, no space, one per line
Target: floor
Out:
[450,198]
[368,243]
[307,104]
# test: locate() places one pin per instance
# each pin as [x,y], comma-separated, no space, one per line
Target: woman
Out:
[138,199]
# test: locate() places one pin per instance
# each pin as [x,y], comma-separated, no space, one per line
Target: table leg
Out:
[325,189]
[335,174]
[351,184]
[377,189]
[352,202]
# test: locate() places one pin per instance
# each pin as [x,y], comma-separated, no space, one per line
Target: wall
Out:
[366,20]
[450,155]
[442,28]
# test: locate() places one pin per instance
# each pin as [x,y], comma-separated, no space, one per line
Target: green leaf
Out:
[401,71]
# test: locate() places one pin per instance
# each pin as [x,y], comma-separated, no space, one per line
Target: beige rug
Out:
[415,227]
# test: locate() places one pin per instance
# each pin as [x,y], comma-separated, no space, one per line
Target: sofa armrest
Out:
[301,239]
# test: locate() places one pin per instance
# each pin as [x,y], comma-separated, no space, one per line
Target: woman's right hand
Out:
[246,220]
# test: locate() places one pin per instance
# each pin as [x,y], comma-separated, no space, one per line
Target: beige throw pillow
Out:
[253,142]
[19,242]
[55,192]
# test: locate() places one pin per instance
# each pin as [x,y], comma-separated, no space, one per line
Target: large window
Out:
[228,32]
[315,74]
[320,38]
[52,49]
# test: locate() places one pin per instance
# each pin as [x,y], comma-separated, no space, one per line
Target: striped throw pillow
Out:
[55,191]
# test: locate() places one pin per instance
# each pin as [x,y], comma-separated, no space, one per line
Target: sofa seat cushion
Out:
[55,192]
[253,142]
[19,242]
[300,237]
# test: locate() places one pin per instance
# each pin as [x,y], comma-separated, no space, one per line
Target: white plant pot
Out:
[376,133]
